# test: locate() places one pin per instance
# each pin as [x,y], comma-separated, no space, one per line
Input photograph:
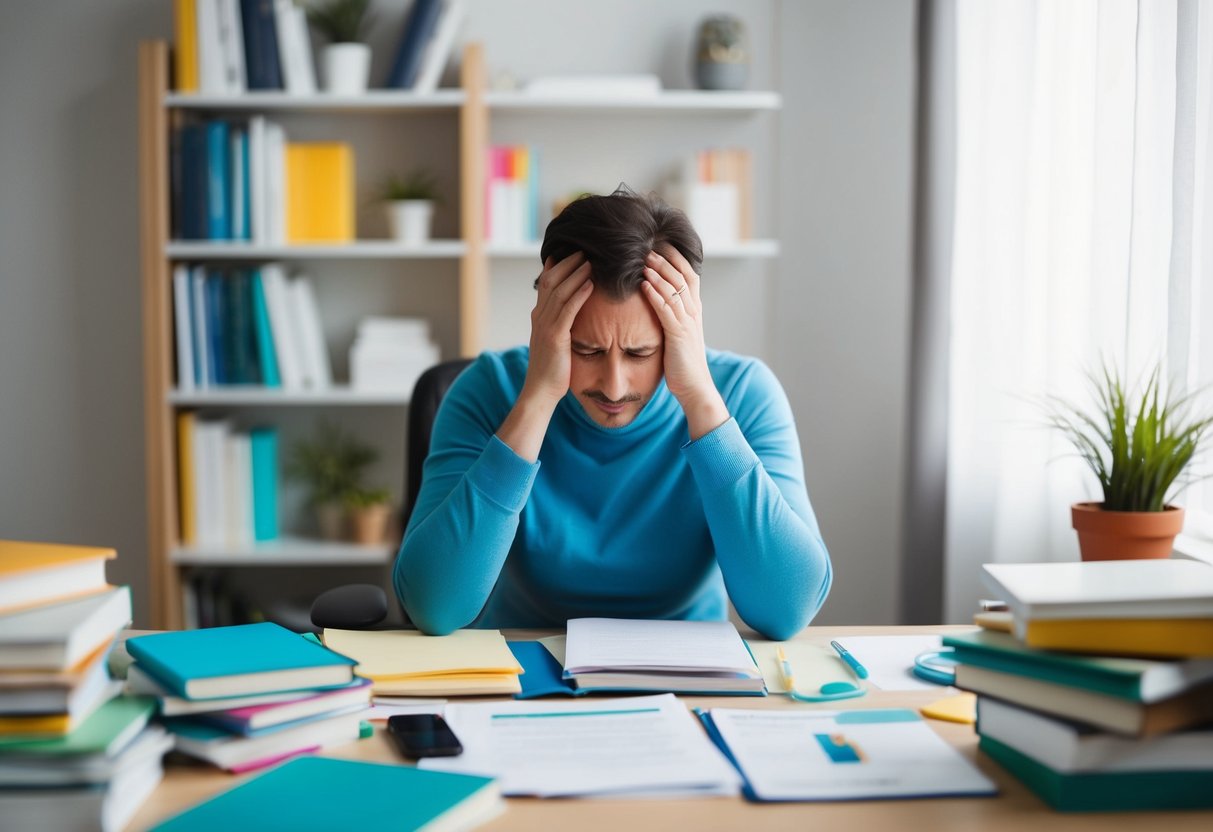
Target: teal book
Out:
[267,359]
[320,794]
[1105,791]
[238,661]
[264,443]
[1138,680]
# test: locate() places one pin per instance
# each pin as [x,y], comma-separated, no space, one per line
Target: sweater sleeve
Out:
[473,490]
[751,479]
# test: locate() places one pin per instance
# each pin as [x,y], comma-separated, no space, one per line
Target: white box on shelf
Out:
[390,354]
[714,208]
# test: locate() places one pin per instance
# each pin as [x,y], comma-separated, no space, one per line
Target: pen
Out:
[852,662]
[785,669]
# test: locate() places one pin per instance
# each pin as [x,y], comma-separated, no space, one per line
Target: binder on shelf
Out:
[419,25]
[319,192]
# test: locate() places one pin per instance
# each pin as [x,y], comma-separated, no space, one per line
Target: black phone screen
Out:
[423,735]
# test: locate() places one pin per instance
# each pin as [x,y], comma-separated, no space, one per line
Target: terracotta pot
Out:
[370,523]
[330,517]
[1125,535]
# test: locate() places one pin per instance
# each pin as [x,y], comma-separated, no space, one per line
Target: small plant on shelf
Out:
[369,512]
[410,201]
[330,465]
[347,60]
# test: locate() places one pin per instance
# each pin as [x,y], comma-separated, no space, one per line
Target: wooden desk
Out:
[1014,809]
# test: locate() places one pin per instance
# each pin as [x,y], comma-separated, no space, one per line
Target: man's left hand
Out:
[672,288]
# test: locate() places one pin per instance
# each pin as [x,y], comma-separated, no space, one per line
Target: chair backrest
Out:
[423,407]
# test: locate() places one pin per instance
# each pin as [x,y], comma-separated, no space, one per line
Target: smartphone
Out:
[423,735]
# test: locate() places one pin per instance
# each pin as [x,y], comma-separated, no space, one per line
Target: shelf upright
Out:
[473,146]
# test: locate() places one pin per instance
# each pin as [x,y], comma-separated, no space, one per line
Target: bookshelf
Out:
[471,107]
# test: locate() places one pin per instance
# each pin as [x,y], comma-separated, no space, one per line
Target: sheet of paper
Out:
[844,755]
[381,713]
[643,745]
[812,665]
[616,643]
[394,654]
[889,659]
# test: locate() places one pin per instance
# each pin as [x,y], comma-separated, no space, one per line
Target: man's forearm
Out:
[526,425]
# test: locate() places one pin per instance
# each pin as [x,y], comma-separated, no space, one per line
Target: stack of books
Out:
[225,47]
[1117,713]
[73,753]
[390,354]
[248,696]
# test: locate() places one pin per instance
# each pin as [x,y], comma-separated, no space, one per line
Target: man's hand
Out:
[563,290]
[672,288]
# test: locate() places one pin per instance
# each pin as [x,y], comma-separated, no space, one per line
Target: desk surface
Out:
[1014,809]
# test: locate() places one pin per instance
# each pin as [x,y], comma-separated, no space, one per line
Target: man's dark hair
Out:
[616,232]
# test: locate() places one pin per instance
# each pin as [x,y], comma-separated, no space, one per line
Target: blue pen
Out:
[852,662]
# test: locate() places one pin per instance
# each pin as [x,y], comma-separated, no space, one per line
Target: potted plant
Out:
[347,60]
[369,512]
[330,465]
[1138,446]
[410,203]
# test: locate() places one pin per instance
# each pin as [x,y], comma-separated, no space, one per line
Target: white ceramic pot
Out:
[347,67]
[410,220]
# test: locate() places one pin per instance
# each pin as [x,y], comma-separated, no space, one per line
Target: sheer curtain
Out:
[1082,203]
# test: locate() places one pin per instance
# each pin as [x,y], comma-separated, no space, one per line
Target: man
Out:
[616,467]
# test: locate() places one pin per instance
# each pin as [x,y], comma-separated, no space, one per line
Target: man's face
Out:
[617,358]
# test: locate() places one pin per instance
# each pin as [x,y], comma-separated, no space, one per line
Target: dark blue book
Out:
[261,63]
[246,369]
[215,325]
[218,180]
[192,223]
[419,25]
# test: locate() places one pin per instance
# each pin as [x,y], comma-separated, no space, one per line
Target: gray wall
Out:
[830,316]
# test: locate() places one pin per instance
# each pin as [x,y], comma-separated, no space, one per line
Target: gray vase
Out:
[722,58]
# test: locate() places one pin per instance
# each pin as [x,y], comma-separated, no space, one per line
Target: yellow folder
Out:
[410,663]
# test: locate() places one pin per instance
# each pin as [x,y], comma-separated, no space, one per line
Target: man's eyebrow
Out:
[641,348]
[582,345]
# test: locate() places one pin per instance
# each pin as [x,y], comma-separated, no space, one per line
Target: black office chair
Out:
[365,606]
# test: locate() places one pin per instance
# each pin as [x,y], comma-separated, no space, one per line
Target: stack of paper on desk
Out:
[410,663]
[647,745]
[676,656]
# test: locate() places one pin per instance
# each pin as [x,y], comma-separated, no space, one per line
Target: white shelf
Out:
[357,250]
[251,396]
[744,248]
[684,101]
[288,551]
[372,101]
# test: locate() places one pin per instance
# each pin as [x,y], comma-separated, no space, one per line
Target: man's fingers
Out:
[555,274]
[674,256]
[568,313]
[565,289]
[665,312]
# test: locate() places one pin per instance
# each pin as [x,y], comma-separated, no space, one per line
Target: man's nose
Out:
[614,381]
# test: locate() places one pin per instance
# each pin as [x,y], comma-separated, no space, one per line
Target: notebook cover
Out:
[177,657]
[317,793]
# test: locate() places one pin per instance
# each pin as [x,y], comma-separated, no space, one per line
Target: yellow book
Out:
[186,54]
[1160,638]
[319,192]
[410,663]
[185,478]
[39,573]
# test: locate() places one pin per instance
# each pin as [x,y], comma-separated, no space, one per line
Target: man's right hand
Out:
[563,290]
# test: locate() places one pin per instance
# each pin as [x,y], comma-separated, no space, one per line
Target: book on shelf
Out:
[438,50]
[314,792]
[512,195]
[40,573]
[262,65]
[228,482]
[59,636]
[716,191]
[237,661]
[238,326]
[419,26]
[185,56]
[294,48]
[319,192]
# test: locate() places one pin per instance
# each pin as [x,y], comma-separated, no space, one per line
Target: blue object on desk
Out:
[829,692]
[936,666]
[852,662]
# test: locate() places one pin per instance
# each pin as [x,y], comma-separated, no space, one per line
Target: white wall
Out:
[830,315]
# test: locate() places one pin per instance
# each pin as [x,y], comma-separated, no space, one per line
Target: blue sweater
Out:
[630,522]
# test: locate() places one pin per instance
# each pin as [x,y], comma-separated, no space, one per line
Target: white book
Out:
[286,341]
[275,179]
[1071,747]
[202,352]
[438,52]
[231,41]
[211,79]
[317,374]
[183,331]
[258,219]
[211,438]
[231,751]
[59,636]
[499,212]
[108,808]
[1103,589]
[294,48]
[94,681]
[237,490]
[141,683]
[240,217]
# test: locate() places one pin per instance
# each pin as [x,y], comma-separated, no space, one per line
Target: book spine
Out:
[188,506]
[1123,687]
[185,59]
[260,45]
[264,442]
[214,327]
[267,361]
[183,332]
[418,28]
[218,181]
[192,212]
[202,362]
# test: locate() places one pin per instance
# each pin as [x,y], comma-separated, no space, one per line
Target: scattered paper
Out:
[890,659]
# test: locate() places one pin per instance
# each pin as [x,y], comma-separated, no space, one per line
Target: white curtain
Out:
[1082,188]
